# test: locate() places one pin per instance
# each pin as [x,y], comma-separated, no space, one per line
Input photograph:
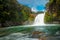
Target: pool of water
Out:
[25,32]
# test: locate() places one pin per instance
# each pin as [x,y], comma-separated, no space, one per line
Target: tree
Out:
[53,9]
[13,12]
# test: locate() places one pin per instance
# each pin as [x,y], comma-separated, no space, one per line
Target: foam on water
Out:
[39,20]
[16,36]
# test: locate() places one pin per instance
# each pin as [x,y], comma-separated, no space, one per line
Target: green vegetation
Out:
[12,13]
[53,12]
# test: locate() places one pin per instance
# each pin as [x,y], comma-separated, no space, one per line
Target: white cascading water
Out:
[39,20]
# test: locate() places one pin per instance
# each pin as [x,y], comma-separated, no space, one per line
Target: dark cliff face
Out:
[53,12]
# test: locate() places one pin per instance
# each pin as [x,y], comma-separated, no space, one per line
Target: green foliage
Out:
[48,18]
[12,12]
[53,9]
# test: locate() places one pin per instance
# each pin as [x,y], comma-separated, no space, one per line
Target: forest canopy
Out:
[13,13]
[53,12]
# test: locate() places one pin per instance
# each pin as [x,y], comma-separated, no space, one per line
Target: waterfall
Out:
[39,19]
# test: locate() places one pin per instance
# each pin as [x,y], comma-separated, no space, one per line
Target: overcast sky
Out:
[35,5]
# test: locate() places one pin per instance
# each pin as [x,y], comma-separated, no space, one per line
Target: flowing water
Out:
[39,20]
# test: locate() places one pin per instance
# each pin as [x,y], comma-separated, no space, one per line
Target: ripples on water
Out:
[20,36]
[17,36]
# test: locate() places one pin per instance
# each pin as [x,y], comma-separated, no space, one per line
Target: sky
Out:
[35,5]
